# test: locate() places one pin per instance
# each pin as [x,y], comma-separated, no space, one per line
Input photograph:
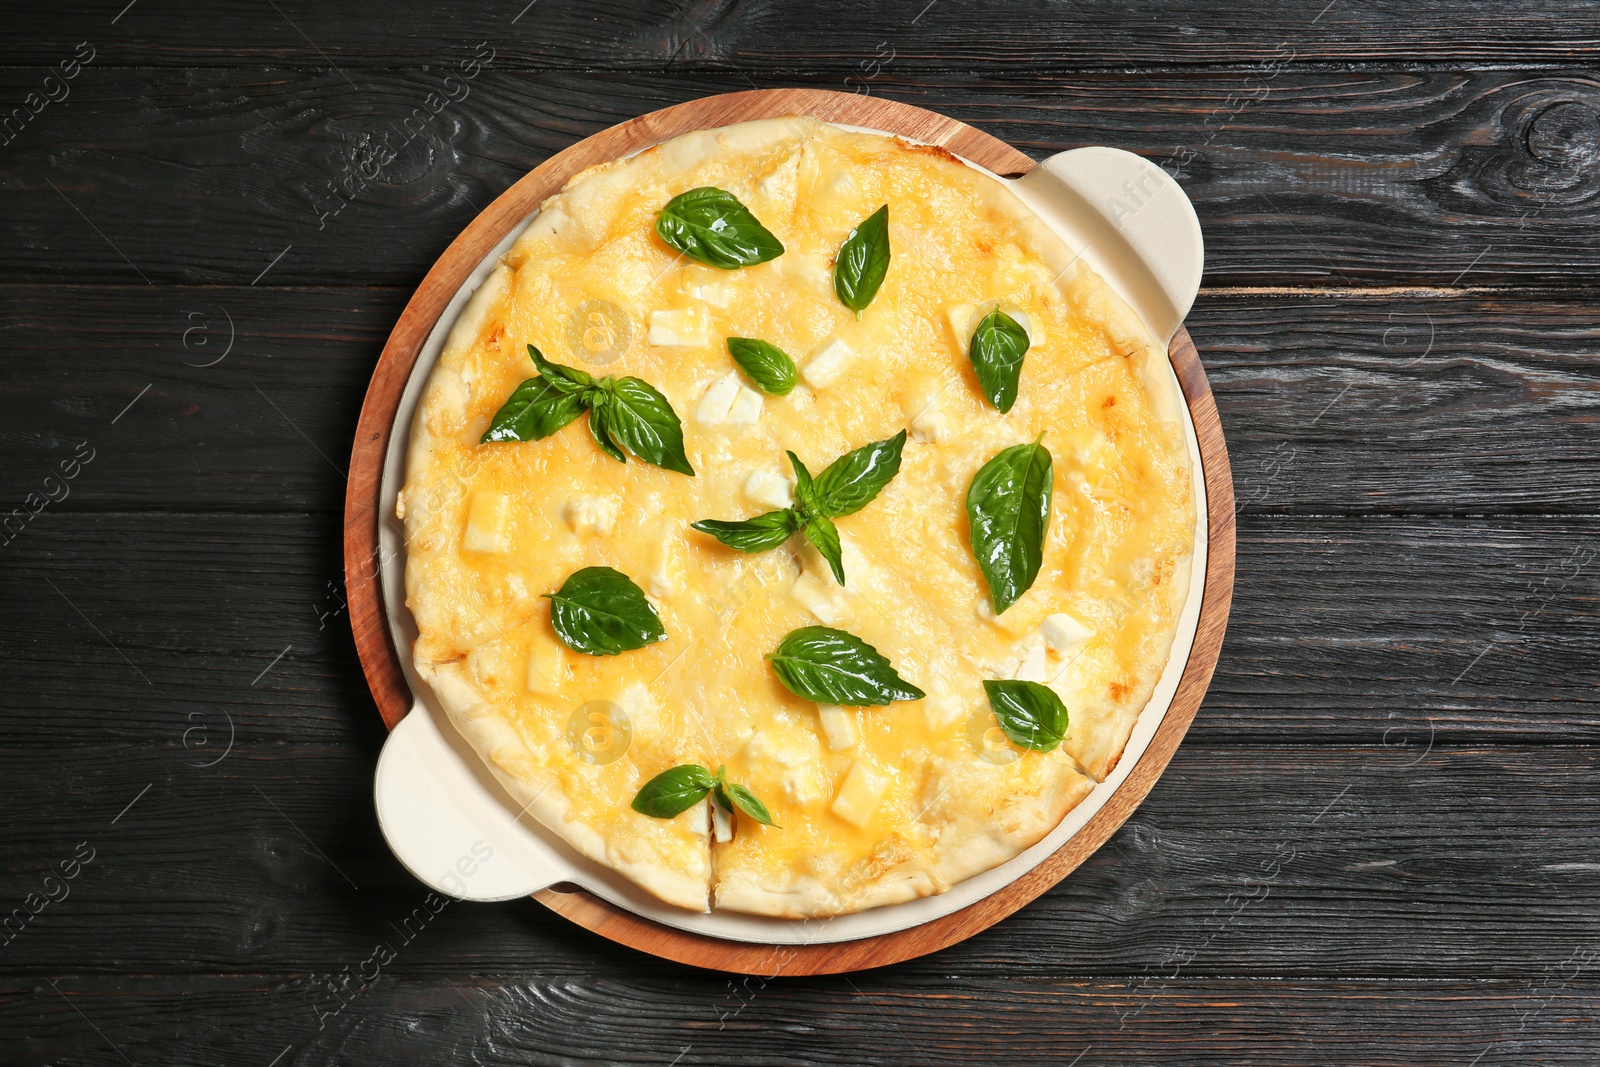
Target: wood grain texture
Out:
[381,660]
[1342,179]
[1346,629]
[1385,861]
[836,35]
[498,1022]
[1344,403]
[1443,919]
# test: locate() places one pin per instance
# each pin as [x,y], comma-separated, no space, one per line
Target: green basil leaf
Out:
[852,481]
[641,420]
[711,225]
[732,795]
[767,365]
[600,430]
[1031,714]
[862,262]
[804,488]
[674,791]
[536,409]
[600,612]
[1008,507]
[834,667]
[998,345]
[752,535]
[821,532]
[566,379]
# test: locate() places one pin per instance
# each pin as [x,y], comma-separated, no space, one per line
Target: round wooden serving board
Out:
[381,661]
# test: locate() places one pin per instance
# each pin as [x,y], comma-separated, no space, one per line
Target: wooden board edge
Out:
[380,660]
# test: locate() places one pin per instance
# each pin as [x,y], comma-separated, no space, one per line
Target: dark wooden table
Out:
[1378,845]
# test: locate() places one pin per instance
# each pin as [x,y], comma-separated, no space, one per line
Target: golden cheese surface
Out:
[873,805]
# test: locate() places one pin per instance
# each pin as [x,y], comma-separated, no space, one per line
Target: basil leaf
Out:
[599,429]
[998,345]
[566,379]
[833,667]
[821,532]
[804,492]
[536,409]
[852,481]
[641,420]
[752,535]
[1008,507]
[862,262]
[674,791]
[600,612]
[767,365]
[731,795]
[711,225]
[1031,714]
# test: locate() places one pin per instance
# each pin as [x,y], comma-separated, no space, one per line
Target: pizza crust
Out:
[947,812]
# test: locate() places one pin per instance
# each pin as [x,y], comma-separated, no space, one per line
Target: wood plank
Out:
[695,1018]
[1343,629]
[1244,861]
[1376,403]
[1310,177]
[833,35]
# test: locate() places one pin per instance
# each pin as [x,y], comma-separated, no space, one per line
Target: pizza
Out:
[794,524]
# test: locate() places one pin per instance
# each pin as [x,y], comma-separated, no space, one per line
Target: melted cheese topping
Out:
[874,804]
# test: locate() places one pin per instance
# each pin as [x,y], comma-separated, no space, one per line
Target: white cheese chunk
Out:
[826,362]
[1032,667]
[547,667]
[746,407]
[721,824]
[802,785]
[718,400]
[677,328]
[763,747]
[590,514]
[772,490]
[801,777]
[860,794]
[1023,319]
[1063,633]
[488,522]
[931,423]
[700,817]
[819,596]
[717,294]
[941,710]
[963,319]
[840,727]
[664,570]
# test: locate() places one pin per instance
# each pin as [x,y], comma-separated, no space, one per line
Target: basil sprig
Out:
[834,667]
[863,261]
[1030,714]
[600,612]
[767,365]
[711,225]
[675,791]
[998,345]
[849,484]
[753,535]
[1008,509]
[624,413]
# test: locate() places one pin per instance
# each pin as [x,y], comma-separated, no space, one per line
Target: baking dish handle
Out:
[1128,220]
[448,826]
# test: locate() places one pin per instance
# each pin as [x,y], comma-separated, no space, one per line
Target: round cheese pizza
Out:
[795,525]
